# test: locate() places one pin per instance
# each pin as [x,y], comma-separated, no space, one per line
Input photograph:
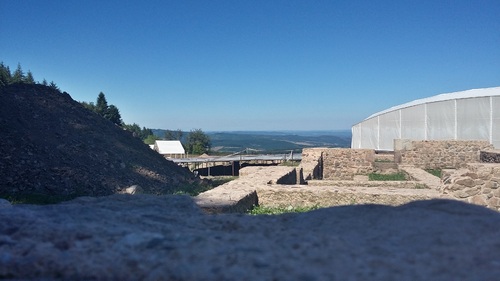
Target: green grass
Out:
[263,210]
[435,172]
[421,186]
[400,176]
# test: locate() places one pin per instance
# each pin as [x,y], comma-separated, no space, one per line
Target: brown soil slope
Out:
[51,145]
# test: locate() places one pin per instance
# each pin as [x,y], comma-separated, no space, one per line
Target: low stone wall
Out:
[225,200]
[239,196]
[367,183]
[312,163]
[438,154]
[344,163]
[329,196]
[478,183]
[336,163]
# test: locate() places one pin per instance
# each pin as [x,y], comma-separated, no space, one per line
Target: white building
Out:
[170,148]
[466,115]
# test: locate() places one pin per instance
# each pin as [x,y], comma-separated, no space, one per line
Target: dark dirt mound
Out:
[51,145]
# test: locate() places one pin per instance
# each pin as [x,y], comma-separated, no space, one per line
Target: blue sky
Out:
[254,65]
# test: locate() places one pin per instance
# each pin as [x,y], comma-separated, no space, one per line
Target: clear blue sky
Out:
[254,65]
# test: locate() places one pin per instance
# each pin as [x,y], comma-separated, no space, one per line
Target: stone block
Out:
[478,200]
[496,192]
[494,202]
[453,187]
[491,184]
[471,175]
[466,192]
[224,201]
[467,182]
[485,190]
[478,182]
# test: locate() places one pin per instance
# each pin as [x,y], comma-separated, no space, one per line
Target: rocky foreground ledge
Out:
[140,237]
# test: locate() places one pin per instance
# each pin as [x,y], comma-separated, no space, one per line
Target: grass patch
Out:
[435,172]
[421,186]
[194,189]
[400,176]
[263,210]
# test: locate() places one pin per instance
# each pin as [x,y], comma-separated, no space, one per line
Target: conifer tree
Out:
[5,75]
[53,85]
[18,75]
[29,78]
[101,106]
[113,115]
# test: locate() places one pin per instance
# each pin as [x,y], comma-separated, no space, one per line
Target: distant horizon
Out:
[300,132]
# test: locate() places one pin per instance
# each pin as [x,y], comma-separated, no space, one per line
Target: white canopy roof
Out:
[169,147]
[474,93]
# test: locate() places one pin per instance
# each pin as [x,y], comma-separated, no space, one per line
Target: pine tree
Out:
[18,75]
[53,85]
[101,106]
[29,78]
[5,76]
[113,115]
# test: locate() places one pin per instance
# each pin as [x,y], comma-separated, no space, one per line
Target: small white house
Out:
[170,148]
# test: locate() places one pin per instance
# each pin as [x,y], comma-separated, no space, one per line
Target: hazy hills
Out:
[274,141]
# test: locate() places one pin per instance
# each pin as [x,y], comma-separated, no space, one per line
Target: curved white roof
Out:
[474,93]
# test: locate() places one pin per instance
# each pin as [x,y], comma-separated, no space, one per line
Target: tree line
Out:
[19,77]
[196,142]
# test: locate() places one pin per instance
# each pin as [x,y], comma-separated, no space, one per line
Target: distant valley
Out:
[273,141]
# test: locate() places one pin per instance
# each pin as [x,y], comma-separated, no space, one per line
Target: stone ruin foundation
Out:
[338,176]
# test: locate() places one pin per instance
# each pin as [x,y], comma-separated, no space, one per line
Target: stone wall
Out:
[328,196]
[478,183]
[312,163]
[344,163]
[438,154]
[336,163]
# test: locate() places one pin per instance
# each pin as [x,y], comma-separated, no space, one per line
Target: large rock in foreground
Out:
[125,237]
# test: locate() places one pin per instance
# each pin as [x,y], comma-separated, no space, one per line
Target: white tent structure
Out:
[466,115]
[171,148]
